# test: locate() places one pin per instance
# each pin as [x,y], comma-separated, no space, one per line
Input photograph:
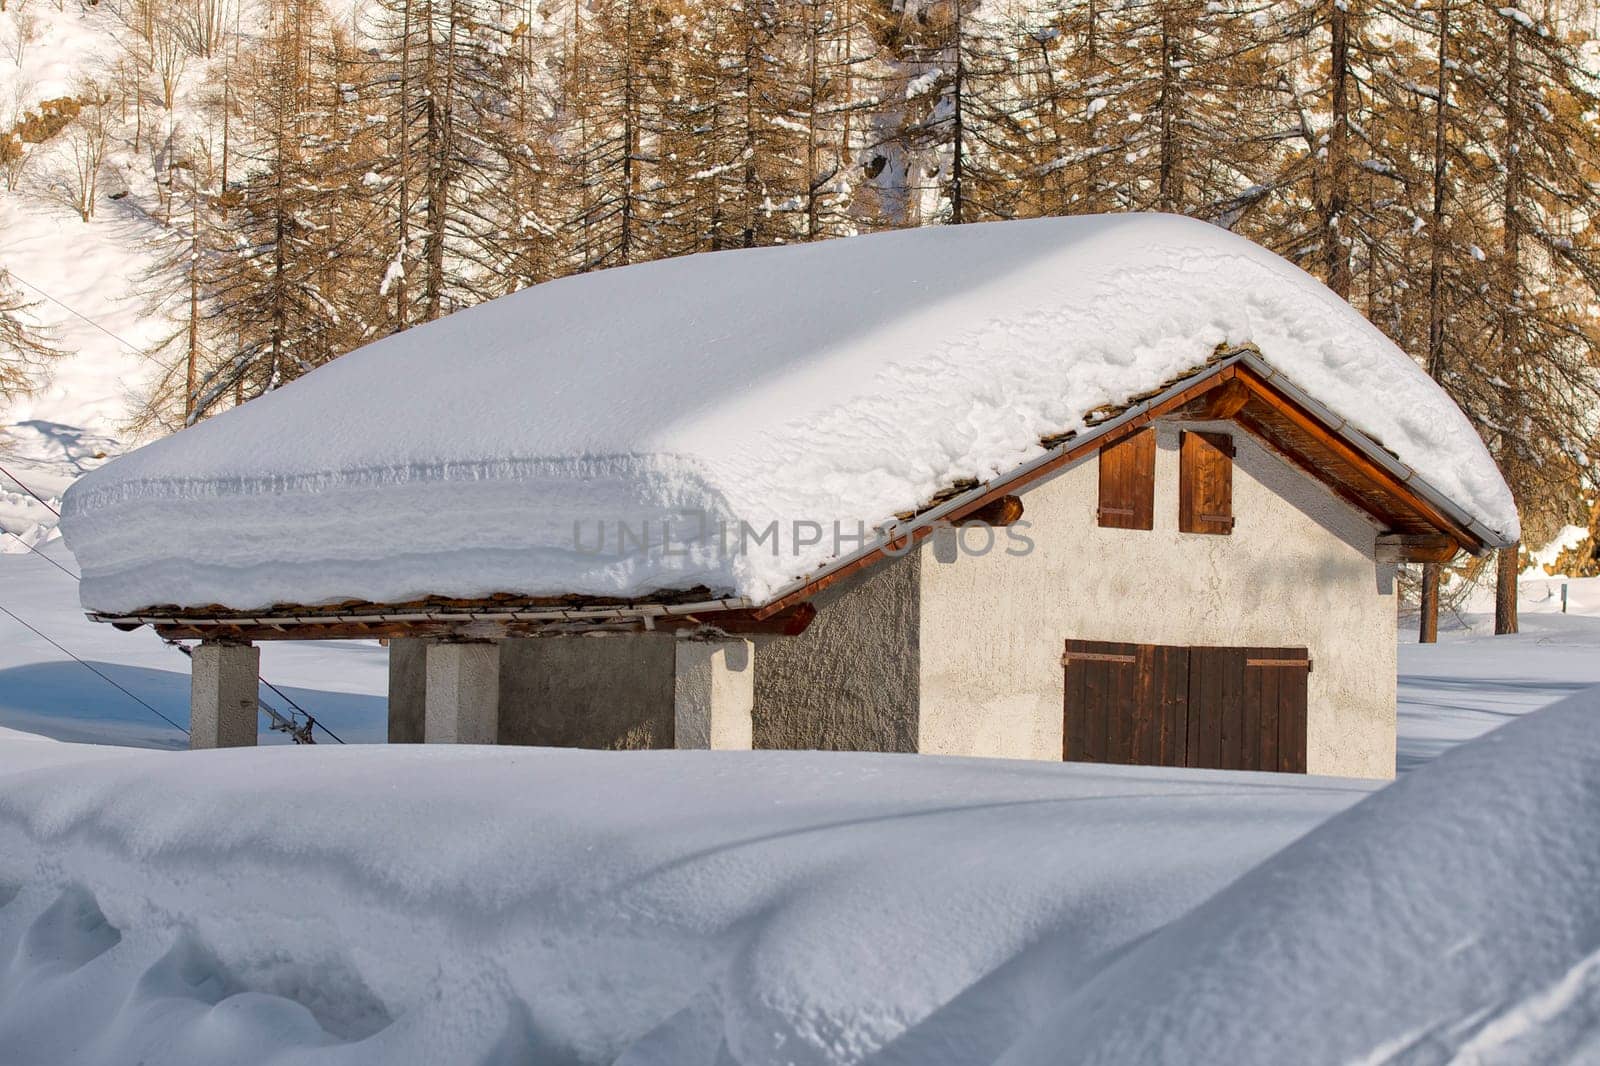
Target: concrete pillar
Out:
[223,706]
[407,689]
[462,705]
[713,693]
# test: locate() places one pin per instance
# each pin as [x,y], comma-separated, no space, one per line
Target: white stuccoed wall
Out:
[1299,569]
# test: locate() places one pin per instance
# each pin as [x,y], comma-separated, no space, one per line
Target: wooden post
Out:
[1429,630]
[1505,591]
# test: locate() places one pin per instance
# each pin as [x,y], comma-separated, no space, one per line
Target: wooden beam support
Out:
[1005,511]
[1416,548]
[1428,623]
[1222,402]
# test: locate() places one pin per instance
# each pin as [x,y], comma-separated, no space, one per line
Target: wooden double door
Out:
[1175,705]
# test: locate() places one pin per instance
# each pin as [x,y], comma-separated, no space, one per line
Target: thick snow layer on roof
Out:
[507,447]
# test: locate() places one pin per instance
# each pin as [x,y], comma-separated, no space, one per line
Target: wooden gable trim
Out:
[1265,397]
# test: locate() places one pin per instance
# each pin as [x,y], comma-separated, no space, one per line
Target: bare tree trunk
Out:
[1505,592]
[1168,182]
[956,161]
[1428,631]
[629,134]
[402,307]
[1335,257]
[194,299]
[1436,223]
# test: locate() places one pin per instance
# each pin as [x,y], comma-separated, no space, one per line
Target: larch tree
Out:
[26,349]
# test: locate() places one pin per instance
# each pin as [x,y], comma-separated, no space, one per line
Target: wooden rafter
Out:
[742,622]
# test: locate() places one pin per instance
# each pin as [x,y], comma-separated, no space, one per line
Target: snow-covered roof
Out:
[840,382]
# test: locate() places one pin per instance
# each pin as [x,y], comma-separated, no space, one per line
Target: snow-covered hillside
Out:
[82,278]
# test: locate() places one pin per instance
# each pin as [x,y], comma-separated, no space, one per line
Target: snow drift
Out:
[834,383]
[428,905]
[1451,917]
[710,909]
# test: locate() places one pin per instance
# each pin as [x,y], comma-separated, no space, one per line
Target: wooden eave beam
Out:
[787,623]
[1416,548]
[1006,511]
[1222,402]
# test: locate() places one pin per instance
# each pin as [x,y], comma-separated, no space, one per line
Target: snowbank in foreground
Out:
[711,909]
[432,905]
[838,382]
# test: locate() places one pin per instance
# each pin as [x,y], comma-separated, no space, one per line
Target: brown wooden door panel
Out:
[1201,706]
[1101,685]
[1162,705]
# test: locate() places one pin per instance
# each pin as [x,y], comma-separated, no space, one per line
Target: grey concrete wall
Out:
[612,691]
[408,682]
[1299,570]
[849,682]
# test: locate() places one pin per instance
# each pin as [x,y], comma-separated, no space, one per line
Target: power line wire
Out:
[75,313]
[310,718]
[30,492]
[133,348]
[40,554]
[91,668]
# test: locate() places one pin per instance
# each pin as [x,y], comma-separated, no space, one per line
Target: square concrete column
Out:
[462,700]
[223,706]
[408,682]
[713,692]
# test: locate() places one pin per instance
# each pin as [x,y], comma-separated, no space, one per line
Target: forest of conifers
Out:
[346,174]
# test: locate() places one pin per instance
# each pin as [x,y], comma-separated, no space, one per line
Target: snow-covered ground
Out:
[1472,681]
[388,905]
[427,905]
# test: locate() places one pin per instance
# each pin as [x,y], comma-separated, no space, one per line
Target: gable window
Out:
[1128,482]
[1205,482]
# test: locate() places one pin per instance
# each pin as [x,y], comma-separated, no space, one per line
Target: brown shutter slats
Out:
[1201,706]
[1128,482]
[1205,482]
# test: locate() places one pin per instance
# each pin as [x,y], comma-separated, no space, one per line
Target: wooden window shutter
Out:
[1128,482]
[1205,482]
